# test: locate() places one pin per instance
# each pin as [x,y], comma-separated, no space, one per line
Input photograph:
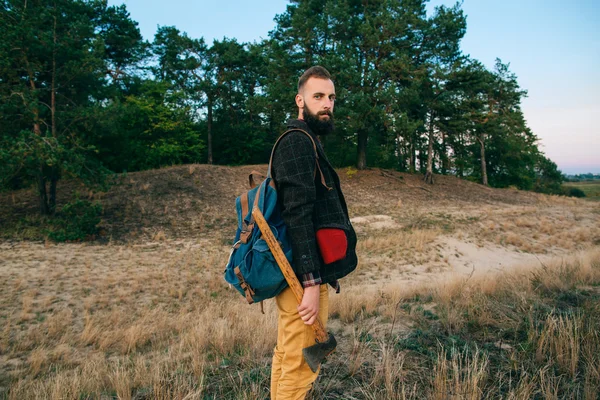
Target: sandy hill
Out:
[192,200]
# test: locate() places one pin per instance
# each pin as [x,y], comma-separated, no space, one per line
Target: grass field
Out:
[590,188]
[462,292]
[157,322]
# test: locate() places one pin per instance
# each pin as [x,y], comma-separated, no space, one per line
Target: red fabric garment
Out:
[332,244]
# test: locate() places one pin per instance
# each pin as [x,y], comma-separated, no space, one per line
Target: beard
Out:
[317,125]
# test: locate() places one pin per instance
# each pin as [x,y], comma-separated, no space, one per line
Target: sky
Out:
[553,46]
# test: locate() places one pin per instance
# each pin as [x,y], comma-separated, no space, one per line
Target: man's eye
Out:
[317,96]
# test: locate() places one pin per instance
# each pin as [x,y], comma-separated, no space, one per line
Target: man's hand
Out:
[309,308]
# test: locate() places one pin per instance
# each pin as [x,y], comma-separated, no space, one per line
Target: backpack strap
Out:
[247,289]
[256,204]
[246,228]
[247,231]
[251,178]
[318,166]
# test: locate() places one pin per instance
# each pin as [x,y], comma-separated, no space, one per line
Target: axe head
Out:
[316,353]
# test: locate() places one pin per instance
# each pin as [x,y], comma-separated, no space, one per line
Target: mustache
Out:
[325,113]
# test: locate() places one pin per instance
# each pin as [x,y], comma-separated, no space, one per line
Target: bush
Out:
[575,192]
[77,220]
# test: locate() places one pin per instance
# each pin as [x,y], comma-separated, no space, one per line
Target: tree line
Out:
[83,95]
[581,177]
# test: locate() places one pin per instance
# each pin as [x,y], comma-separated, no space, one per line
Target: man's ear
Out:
[299,101]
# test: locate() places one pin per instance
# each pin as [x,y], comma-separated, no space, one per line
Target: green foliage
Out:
[29,227]
[582,177]
[381,54]
[28,156]
[548,178]
[58,62]
[82,95]
[148,129]
[591,189]
[575,192]
[77,220]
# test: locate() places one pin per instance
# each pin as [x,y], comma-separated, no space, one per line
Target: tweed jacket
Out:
[307,205]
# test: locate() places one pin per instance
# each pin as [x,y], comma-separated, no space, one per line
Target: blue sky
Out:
[552,46]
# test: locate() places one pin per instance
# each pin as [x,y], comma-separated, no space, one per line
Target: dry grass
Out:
[543,324]
[539,229]
[206,343]
[556,355]
[123,320]
[459,375]
[559,342]
[149,315]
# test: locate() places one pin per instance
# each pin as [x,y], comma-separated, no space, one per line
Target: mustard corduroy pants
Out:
[291,377]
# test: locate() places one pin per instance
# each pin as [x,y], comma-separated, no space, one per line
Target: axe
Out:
[325,343]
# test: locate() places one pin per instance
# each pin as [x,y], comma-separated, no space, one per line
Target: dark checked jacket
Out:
[307,205]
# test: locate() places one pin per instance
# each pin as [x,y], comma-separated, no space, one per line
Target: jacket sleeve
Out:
[293,166]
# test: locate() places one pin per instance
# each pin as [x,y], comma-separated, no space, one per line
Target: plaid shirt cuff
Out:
[311,279]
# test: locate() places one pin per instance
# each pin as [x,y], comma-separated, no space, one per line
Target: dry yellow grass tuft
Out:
[460,375]
[559,342]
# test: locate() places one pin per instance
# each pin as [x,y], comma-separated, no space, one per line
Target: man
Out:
[323,240]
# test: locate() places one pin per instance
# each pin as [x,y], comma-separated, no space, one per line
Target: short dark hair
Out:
[313,72]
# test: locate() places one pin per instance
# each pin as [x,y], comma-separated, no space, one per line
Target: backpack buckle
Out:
[246,233]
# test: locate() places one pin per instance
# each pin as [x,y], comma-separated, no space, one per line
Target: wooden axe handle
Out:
[286,269]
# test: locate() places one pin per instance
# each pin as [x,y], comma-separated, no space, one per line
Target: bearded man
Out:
[323,240]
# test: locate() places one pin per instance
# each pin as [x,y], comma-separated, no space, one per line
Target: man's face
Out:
[316,101]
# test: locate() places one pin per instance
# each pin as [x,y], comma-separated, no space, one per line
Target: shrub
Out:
[575,192]
[77,220]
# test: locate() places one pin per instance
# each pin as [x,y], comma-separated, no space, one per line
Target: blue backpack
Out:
[251,267]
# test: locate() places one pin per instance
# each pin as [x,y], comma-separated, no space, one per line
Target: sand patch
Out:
[465,257]
[373,222]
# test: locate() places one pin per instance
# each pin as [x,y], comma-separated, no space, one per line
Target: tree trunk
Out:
[52,197]
[484,178]
[401,153]
[444,156]
[422,161]
[41,182]
[361,160]
[209,124]
[43,196]
[429,172]
[412,157]
[54,172]
[36,113]
[53,89]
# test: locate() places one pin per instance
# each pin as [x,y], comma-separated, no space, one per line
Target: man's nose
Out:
[327,104]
